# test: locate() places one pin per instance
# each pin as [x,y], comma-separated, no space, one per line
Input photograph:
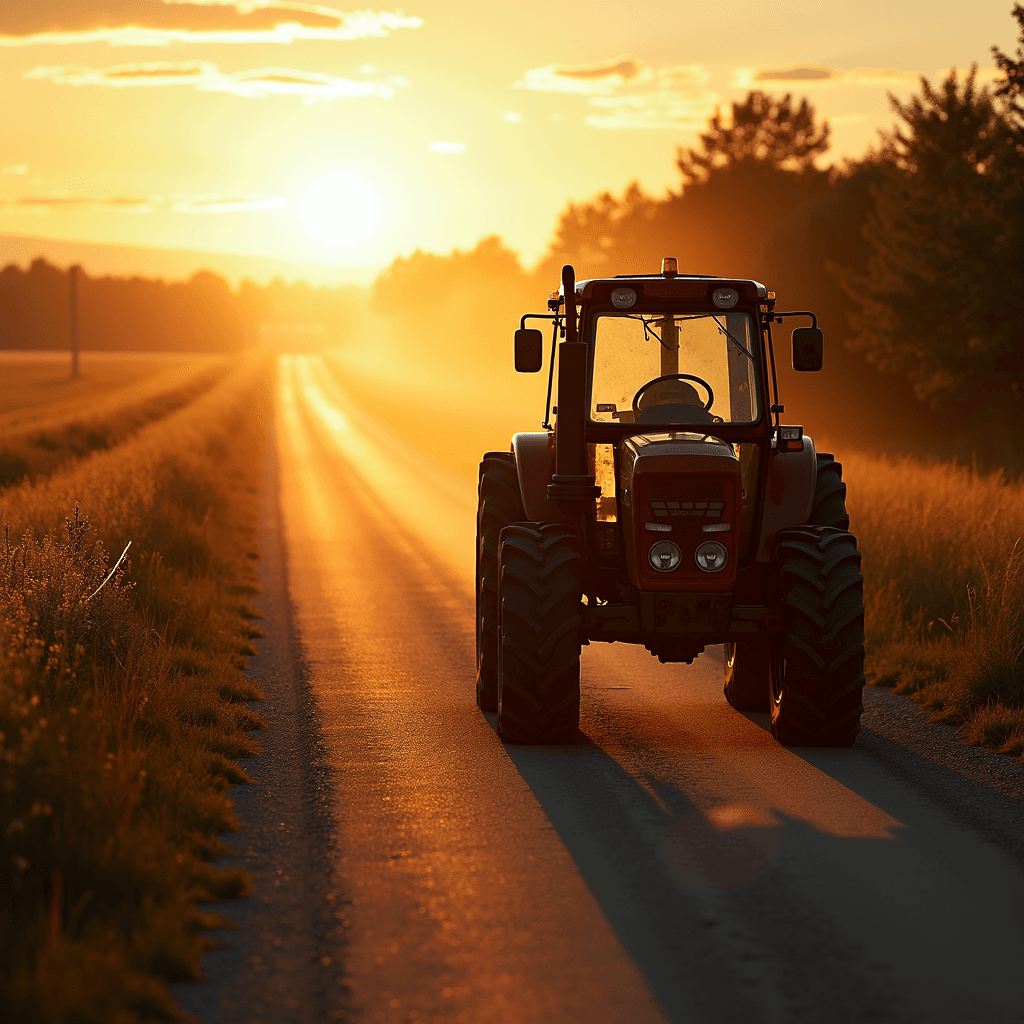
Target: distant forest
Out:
[913,258]
[200,315]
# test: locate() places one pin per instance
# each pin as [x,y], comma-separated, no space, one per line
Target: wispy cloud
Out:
[631,94]
[14,169]
[208,77]
[811,75]
[448,148]
[600,79]
[204,203]
[164,22]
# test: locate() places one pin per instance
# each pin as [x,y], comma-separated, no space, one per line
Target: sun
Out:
[340,209]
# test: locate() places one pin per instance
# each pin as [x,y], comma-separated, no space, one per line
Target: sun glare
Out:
[340,209]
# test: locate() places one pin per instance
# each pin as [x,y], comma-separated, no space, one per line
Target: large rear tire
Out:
[499,504]
[829,508]
[817,664]
[540,620]
[747,673]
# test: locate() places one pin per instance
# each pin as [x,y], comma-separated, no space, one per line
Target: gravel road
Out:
[676,865]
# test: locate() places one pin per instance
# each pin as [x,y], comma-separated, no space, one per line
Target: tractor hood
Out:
[680,511]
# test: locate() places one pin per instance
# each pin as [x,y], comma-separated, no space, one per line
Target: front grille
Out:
[703,509]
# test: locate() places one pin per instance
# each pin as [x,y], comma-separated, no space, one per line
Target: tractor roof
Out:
[581,286]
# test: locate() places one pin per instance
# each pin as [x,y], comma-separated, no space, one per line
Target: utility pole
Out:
[73,277]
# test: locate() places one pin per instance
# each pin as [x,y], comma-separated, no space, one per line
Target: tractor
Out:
[667,505]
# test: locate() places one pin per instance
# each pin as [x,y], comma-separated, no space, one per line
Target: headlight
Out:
[711,556]
[665,556]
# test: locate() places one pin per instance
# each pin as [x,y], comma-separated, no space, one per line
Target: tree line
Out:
[138,314]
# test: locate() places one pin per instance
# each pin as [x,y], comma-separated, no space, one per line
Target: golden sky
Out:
[203,124]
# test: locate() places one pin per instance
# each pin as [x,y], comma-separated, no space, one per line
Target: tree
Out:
[748,176]
[943,295]
[1012,86]
[764,132]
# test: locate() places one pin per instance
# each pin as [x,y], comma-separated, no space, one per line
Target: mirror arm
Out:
[776,408]
[804,312]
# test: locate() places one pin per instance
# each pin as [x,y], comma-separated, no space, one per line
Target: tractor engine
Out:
[680,510]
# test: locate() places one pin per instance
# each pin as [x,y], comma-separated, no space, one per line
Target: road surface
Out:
[677,865]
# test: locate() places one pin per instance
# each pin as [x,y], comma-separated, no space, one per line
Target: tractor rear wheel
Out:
[817,664]
[747,683]
[746,675]
[540,620]
[829,508]
[499,505]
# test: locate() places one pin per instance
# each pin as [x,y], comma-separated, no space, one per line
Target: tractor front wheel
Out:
[817,664]
[539,642]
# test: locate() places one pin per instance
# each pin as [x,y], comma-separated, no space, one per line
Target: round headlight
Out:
[725,298]
[664,556]
[623,298]
[711,556]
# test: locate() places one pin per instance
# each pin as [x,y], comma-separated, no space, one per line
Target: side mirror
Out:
[529,350]
[807,343]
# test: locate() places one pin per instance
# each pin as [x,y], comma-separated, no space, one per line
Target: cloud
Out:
[208,77]
[810,75]
[512,117]
[631,94]
[204,203]
[449,148]
[599,79]
[164,22]
[14,169]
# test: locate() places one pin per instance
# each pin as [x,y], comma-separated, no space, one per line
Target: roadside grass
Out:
[123,707]
[35,442]
[944,590]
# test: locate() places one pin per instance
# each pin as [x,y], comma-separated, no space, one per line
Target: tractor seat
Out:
[672,401]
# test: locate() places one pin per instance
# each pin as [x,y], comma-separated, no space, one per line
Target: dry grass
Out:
[944,587]
[121,713]
[36,441]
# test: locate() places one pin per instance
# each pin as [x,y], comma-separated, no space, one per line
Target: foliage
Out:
[1012,86]
[943,292]
[763,131]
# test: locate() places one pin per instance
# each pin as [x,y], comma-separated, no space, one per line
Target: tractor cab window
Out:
[674,368]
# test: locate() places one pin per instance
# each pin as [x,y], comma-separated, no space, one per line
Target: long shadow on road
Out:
[758,915]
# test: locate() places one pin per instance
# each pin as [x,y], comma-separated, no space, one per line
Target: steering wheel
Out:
[675,376]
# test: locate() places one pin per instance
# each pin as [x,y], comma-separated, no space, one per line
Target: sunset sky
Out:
[203,125]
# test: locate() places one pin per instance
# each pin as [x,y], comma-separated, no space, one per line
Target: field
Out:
[124,702]
[944,587]
[39,384]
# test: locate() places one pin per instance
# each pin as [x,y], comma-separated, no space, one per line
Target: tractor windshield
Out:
[674,368]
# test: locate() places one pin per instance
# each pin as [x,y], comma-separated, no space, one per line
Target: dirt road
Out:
[678,865]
